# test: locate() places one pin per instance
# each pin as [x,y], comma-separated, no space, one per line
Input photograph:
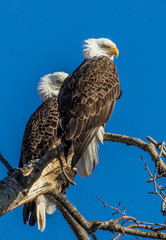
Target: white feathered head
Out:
[50,84]
[99,47]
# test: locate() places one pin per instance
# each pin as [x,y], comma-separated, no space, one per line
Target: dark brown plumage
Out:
[39,138]
[86,102]
[40,132]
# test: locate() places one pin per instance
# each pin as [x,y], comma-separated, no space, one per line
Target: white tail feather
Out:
[51,208]
[89,159]
[100,134]
[41,212]
[43,205]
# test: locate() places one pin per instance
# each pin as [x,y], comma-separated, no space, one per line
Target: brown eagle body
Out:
[39,138]
[86,101]
[40,132]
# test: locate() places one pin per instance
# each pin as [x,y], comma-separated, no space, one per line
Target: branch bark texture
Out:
[21,186]
[46,176]
[145,146]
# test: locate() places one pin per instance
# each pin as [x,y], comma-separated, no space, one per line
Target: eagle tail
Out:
[43,205]
[29,213]
[100,134]
[89,159]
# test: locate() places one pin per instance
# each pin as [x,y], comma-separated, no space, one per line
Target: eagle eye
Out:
[105,46]
[58,82]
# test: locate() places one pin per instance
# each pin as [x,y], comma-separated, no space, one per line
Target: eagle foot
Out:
[63,166]
[74,169]
[58,187]
[67,177]
[28,172]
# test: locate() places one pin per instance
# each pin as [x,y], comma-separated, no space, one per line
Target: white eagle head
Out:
[99,47]
[50,84]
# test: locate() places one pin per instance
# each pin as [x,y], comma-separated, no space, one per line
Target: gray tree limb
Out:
[23,185]
[77,229]
[147,147]
[112,225]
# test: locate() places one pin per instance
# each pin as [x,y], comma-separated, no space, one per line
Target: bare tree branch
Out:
[157,145]
[117,236]
[147,147]
[152,226]
[70,208]
[77,229]
[111,225]
[46,175]
[158,189]
[18,187]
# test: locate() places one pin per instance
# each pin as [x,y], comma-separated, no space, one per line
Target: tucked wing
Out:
[86,102]
[40,132]
[39,137]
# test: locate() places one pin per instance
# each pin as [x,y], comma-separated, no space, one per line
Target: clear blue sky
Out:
[38,37]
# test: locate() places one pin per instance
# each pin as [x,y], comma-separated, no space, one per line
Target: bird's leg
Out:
[58,187]
[64,172]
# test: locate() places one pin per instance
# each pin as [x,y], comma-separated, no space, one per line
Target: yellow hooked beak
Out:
[113,51]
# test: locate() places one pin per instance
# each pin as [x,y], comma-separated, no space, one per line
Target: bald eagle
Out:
[39,138]
[47,88]
[86,100]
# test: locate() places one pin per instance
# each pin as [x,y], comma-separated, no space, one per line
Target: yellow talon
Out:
[28,172]
[58,187]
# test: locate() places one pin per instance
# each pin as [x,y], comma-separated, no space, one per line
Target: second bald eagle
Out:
[87,98]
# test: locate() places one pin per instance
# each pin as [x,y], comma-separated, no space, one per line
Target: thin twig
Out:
[114,208]
[93,236]
[154,181]
[157,145]
[117,236]
[157,177]
[162,149]
[129,218]
[160,193]
[6,163]
[163,207]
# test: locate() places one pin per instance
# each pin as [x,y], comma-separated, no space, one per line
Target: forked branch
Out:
[23,185]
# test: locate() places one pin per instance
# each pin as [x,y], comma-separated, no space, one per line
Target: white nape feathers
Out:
[99,47]
[50,84]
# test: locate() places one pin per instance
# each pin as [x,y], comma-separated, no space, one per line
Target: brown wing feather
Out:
[40,132]
[87,97]
[39,137]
